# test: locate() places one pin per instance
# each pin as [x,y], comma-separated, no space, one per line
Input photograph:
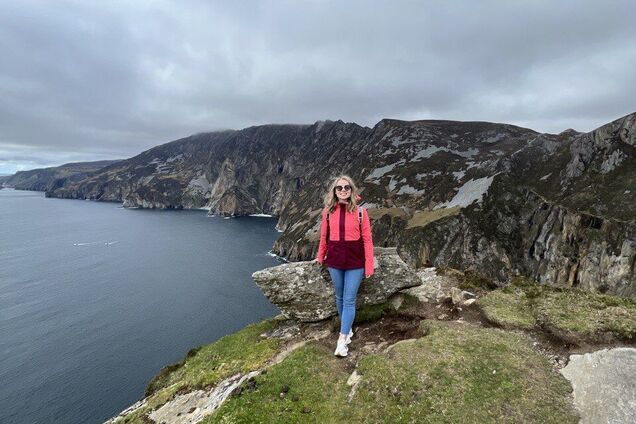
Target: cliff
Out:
[44,179]
[496,198]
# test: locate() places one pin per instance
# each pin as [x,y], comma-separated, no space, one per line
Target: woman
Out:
[347,250]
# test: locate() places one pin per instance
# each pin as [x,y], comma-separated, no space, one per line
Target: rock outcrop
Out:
[435,288]
[304,291]
[604,387]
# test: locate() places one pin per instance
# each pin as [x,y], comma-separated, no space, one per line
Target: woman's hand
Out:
[368,276]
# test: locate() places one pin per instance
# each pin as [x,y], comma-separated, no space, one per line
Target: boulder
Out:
[458,295]
[304,291]
[435,288]
[604,386]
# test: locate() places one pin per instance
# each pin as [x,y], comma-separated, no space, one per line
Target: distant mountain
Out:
[3,177]
[43,179]
[496,198]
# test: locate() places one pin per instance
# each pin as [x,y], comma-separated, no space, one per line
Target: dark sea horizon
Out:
[95,299]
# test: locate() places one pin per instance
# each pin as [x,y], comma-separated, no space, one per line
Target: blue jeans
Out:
[346,283]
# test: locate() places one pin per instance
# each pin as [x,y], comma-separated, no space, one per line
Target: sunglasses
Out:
[345,188]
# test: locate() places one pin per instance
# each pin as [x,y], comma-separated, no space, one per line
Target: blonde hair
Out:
[331,199]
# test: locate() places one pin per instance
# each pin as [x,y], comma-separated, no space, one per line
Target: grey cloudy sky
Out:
[91,80]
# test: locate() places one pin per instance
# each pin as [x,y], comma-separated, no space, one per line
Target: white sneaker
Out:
[341,349]
[349,336]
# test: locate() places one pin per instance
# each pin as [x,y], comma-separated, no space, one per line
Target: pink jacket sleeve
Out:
[368,243]
[322,247]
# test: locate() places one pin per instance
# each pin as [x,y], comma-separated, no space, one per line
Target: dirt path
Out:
[374,337]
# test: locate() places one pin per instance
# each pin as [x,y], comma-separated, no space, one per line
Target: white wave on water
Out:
[274,255]
[106,243]
[264,215]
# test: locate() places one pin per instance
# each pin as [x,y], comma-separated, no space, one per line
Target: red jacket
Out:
[347,248]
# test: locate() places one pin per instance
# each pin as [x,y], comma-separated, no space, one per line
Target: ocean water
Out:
[95,299]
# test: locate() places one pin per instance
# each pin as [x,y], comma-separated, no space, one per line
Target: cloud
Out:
[99,80]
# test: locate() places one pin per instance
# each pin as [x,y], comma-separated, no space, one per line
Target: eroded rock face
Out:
[303,290]
[604,385]
[565,248]
[531,236]
[264,169]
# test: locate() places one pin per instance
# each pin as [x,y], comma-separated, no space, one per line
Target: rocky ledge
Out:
[453,347]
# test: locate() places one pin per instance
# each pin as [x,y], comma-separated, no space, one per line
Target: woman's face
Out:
[343,194]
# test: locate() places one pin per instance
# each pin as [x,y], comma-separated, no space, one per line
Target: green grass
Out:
[316,380]
[508,308]
[582,312]
[447,377]
[207,365]
[524,304]
[425,217]
[444,377]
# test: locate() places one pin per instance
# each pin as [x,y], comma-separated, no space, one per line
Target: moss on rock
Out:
[473,280]
[408,301]
[371,313]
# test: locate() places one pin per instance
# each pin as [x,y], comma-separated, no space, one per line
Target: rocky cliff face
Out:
[255,170]
[496,198]
[49,178]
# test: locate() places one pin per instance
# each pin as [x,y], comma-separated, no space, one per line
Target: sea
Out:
[95,299]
